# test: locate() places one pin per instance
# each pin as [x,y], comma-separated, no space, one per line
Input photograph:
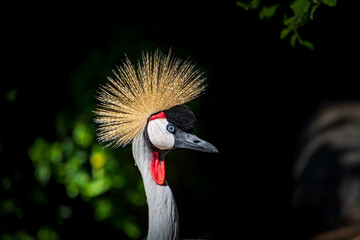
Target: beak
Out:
[190,141]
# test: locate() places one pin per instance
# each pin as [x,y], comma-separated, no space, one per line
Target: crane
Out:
[144,105]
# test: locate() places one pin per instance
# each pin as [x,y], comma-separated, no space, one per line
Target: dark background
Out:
[261,93]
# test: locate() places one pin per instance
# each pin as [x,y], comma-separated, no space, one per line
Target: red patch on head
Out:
[157,168]
[156,116]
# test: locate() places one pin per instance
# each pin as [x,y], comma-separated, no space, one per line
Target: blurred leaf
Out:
[301,9]
[6,183]
[64,212]
[96,187]
[73,165]
[268,12]
[56,151]
[98,159]
[98,173]
[46,233]
[37,151]
[72,190]
[43,173]
[20,235]
[331,3]
[293,39]
[40,197]
[83,134]
[103,209]
[81,178]
[68,147]
[252,4]
[308,44]
[11,95]
[285,32]
[131,229]
[288,21]
[9,207]
[43,154]
[313,9]
[135,197]
[118,181]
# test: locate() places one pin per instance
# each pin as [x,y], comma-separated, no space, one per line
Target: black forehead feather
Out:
[182,117]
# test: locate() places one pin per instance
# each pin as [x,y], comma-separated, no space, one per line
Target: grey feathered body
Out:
[163,217]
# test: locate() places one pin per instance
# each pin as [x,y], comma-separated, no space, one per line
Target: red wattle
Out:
[157,169]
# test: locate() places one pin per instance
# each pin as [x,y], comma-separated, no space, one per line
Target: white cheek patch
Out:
[158,134]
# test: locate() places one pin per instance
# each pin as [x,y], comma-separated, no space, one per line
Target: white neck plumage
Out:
[163,217]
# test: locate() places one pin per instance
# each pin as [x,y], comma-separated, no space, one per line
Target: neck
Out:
[163,218]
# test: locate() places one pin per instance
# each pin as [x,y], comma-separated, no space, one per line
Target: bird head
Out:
[149,101]
[171,129]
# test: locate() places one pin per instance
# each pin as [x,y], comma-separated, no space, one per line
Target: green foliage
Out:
[252,4]
[11,95]
[302,12]
[44,233]
[20,235]
[83,134]
[103,178]
[268,12]
[330,3]
[131,229]
[88,170]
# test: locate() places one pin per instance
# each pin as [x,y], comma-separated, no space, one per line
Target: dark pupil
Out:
[171,128]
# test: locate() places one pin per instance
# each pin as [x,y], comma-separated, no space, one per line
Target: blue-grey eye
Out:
[171,128]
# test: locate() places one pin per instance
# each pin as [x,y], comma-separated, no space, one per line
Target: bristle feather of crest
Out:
[129,98]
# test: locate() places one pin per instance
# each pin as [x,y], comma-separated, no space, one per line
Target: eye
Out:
[171,128]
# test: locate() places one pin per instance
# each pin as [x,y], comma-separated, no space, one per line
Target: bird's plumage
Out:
[144,105]
[129,98]
[163,216]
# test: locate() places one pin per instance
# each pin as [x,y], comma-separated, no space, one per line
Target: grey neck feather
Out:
[163,217]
